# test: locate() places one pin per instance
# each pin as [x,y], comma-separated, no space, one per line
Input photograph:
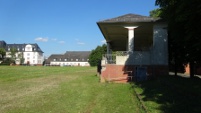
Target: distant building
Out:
[70,58]
[26,53]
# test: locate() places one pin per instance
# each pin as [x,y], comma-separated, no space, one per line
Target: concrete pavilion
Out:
[137,48]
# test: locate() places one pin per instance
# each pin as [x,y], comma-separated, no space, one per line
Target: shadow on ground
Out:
[170,94]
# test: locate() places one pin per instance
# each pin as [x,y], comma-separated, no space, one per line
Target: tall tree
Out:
[21,57]
[96,55]
[183,17]
[13,52]
[2,53]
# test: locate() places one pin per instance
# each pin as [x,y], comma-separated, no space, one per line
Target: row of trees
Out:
[183,17]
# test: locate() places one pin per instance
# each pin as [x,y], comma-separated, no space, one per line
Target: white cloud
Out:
[62,42]
[41,39]
[80,43]
[103,41]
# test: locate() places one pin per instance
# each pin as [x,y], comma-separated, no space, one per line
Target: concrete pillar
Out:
[160,45]
[109,53]
[131,37]
[108,48]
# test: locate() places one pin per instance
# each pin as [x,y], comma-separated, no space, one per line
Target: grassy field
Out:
[170,94]
[32,89]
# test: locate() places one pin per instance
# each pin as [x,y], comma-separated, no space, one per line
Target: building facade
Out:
[30,54]
[137,48]
[70,58]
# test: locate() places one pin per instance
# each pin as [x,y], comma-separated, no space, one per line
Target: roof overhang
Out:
[116,34]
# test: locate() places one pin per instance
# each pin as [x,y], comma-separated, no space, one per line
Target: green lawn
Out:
[170,94]
[32,89]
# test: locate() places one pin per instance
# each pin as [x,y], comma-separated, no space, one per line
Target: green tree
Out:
[2,53]
[183,17]
[96,55]
[12,53]
[21,57]
[155,13]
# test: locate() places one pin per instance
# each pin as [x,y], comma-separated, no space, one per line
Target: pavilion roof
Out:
[130,18]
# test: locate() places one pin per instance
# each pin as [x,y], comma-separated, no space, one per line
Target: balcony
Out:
[127,58]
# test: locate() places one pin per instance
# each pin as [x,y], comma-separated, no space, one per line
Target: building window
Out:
[54,59]
[65,59]
[28,48]
[60,59]
[71,59]
[83,59]
[28,54]
[28,58]
[76,59]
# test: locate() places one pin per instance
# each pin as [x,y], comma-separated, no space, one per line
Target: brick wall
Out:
[123,74]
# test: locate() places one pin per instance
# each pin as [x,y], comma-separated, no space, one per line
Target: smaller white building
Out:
[70,58]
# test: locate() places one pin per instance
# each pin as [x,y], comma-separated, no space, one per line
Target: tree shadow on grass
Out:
[170,94]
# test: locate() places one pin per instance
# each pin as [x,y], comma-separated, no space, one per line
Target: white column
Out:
[109,58]
[108,48]
[131,37]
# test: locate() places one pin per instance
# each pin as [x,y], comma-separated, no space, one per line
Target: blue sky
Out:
[58,26]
